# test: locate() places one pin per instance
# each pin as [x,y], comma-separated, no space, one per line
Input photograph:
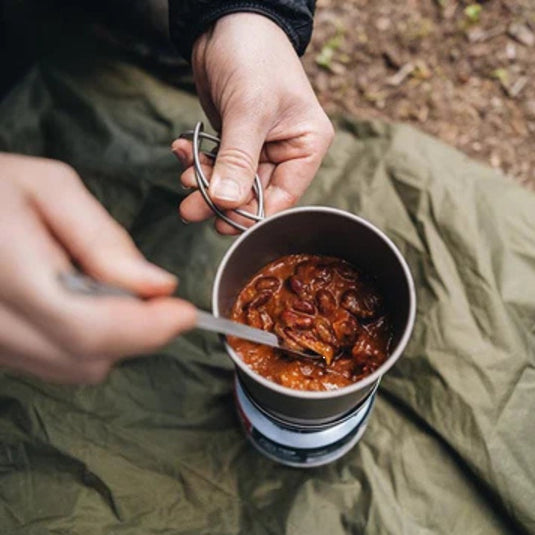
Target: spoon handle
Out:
[209,322]
[82,284]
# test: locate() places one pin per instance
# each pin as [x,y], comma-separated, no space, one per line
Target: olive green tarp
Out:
[158,449]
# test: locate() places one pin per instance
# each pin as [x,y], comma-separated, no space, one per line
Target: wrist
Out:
[241,27]
[188,20]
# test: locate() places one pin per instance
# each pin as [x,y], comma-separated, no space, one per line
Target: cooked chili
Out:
[314,303]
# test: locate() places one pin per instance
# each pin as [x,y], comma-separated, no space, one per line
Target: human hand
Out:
[47,221]
[255,92]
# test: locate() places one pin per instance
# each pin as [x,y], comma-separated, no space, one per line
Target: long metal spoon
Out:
[77,282]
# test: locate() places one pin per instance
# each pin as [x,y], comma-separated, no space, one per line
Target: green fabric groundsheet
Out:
[158,449]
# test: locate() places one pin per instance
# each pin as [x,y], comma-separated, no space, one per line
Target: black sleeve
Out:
[190,18]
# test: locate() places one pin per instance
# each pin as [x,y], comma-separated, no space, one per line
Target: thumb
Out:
[237,161]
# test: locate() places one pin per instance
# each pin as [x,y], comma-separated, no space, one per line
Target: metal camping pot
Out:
[314,230]
[324,231]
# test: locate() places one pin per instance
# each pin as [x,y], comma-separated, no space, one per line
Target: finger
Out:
[31,258]
[183,150]
[237,159]
[227,229]
[188,176]
[308,139]
[98,243]
[289,181]
[24,348]
[265,171]
[118,326]
[99,328]
[298,159]
[194,208]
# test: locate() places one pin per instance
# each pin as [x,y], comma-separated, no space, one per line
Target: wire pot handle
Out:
[197,136]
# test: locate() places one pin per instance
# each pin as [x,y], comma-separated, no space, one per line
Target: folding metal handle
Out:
[197,136]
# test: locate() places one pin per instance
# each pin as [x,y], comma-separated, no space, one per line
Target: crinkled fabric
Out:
[157,448]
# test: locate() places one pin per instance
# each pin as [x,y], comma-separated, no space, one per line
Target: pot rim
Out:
[324,394]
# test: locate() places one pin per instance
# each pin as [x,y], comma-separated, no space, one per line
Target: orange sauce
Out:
[316,303]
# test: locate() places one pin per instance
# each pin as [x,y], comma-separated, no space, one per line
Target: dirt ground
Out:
[462,71]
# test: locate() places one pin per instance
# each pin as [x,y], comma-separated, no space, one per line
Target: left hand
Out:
[50,223]
[255,92]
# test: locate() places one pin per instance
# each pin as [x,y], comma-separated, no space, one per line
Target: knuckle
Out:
[323,135]
[290,198]
[109,241]
[329,130]
[62,172]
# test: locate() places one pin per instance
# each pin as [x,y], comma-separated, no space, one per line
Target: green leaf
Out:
[325,57]
[327,52]
[500,74]
[473,12]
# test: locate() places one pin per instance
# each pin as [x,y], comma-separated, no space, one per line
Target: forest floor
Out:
[464,72]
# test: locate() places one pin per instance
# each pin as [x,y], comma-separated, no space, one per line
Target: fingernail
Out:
[185,188]
[185,221]
[227,189]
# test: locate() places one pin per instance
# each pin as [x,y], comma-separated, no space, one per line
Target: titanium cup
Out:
[324,231]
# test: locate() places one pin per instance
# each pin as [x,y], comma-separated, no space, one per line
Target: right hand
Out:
[255,92]
[47,221]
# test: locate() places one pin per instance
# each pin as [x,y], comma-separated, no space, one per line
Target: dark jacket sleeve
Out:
[190,18]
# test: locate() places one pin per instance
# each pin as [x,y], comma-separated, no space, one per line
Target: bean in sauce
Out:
[319,303]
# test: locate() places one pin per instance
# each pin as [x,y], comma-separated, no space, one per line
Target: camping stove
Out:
[300,445]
